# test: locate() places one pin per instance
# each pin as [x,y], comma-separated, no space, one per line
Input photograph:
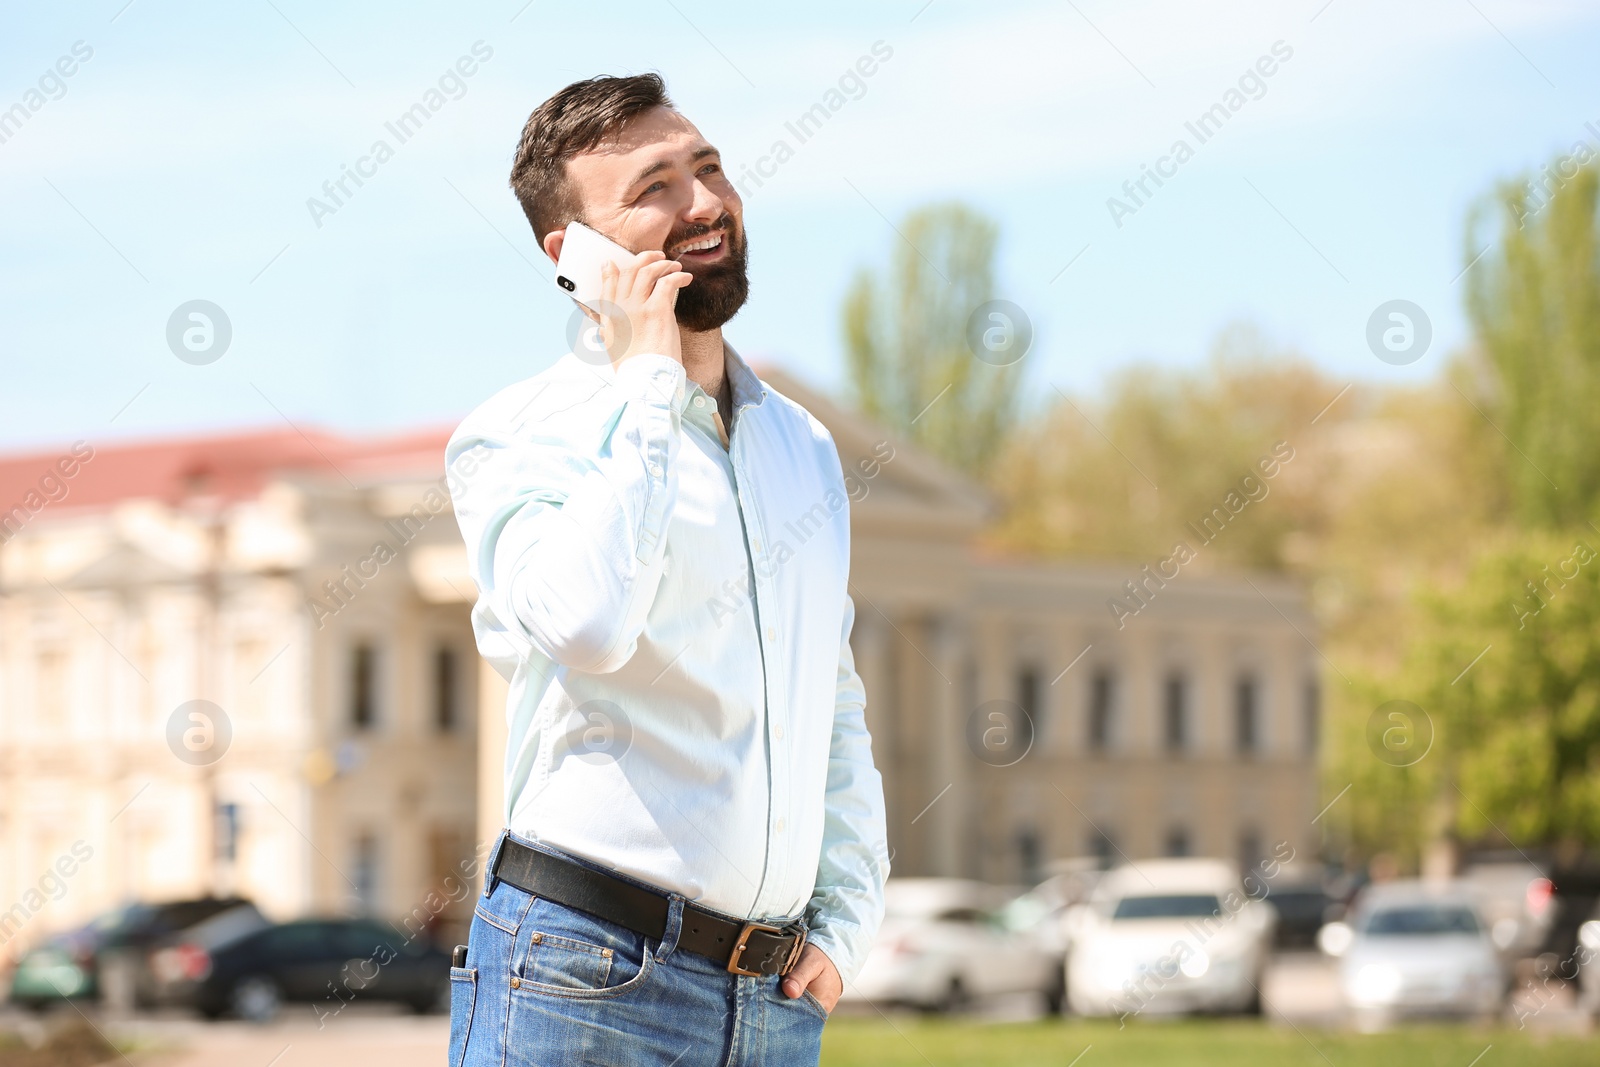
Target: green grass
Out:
[916,1042]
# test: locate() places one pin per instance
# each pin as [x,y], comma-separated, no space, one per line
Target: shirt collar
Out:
[747,388]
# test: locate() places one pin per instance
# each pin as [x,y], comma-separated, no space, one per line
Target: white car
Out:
[1167,936]
[946,943]
[1587,957]
[1415,948]
[1045,907]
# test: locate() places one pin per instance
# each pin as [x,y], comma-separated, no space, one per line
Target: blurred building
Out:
[311,590]
[331,765]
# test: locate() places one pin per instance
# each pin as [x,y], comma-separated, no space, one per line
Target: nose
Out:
[707,206]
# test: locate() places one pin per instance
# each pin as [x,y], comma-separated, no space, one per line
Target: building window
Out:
[1102,699]
[1177,712]
[1249,849]
[1313,716]
[1177,844]
[1102,848]
[1245,725]
[227,832]
[51,692]
[444,688]
[364,873]
[1028,855]
[363,684]
[1028,701]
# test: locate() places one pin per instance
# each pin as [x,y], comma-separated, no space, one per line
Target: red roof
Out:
[231,466]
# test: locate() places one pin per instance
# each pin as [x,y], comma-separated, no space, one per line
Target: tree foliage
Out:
[1534,303]
[905,329]
[1519,729]
[1131,476]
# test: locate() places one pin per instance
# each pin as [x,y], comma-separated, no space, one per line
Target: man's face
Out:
[661,186]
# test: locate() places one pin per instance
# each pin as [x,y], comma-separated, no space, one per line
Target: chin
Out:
[716,295]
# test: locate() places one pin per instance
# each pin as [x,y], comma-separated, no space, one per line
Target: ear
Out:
[552,244]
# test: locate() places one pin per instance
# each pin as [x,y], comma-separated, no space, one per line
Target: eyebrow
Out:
[699,154]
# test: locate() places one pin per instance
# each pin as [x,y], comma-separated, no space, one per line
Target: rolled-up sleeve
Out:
[846,907]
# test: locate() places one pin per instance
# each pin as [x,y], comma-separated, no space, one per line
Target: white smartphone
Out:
[578,270]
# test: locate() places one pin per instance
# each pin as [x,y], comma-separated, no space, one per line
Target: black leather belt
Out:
[748,948]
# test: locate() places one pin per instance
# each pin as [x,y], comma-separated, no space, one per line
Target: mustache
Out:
[691,233]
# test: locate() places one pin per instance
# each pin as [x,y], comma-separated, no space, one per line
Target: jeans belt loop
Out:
[669,937]
[490,879]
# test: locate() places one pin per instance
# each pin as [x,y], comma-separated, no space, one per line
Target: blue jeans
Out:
[552,986]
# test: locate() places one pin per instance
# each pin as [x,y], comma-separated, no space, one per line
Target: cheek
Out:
[730,201]
[645,229]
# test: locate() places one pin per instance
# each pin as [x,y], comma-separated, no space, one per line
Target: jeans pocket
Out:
[566,962]
[463,999]
[813,1003]
[566,952]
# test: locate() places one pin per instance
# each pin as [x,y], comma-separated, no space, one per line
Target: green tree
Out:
[911,367]
[1534,302]
[1508,666]
[1126,477]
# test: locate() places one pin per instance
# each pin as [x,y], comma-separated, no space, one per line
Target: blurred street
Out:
[1300,992]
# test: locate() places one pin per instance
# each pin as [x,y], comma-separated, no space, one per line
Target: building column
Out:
[989,811]
[1062,696]
[492,693]
[1137,738]
[870,649]
[869,646]
[948,762]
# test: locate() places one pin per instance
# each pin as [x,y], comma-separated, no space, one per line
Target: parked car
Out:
[947,942]
[1164,936]
[1415,948]
[106,958]
[1587,955]
[1303,904]
[1517,903]
[252,973]
[61,968]
[1067,883]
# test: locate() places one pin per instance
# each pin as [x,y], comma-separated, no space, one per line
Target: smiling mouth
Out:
[701,249]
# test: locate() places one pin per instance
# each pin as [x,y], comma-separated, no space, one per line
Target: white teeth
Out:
[702,246]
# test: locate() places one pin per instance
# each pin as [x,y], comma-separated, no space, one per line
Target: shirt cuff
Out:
[843,944]
[652,376]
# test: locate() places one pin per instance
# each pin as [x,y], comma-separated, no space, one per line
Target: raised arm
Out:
[565,518]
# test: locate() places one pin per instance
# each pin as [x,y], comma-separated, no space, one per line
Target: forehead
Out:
[656,137]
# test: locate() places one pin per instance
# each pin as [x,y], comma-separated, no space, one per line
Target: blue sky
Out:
[176,163]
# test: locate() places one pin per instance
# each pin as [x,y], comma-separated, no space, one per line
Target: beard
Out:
[718,291]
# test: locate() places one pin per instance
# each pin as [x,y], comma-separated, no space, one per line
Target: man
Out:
[694,853]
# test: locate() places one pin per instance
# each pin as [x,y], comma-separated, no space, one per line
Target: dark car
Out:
[1302,909]
[327,963]
[107,958]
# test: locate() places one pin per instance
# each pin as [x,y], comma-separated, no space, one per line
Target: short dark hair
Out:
[571,122]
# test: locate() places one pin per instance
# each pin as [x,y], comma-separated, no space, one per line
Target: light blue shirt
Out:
[674,621]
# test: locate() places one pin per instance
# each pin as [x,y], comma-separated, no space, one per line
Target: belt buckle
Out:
[744,936]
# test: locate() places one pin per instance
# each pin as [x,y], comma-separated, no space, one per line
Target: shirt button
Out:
[772,635]
[756,544]
[699,401]
[780,824]
[777,732]
[655,469]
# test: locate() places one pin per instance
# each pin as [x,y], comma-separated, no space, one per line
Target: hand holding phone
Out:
[632,296]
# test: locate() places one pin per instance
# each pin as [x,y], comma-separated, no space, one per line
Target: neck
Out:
[703,360]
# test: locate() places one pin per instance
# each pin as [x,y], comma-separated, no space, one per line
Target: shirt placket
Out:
[769,901]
